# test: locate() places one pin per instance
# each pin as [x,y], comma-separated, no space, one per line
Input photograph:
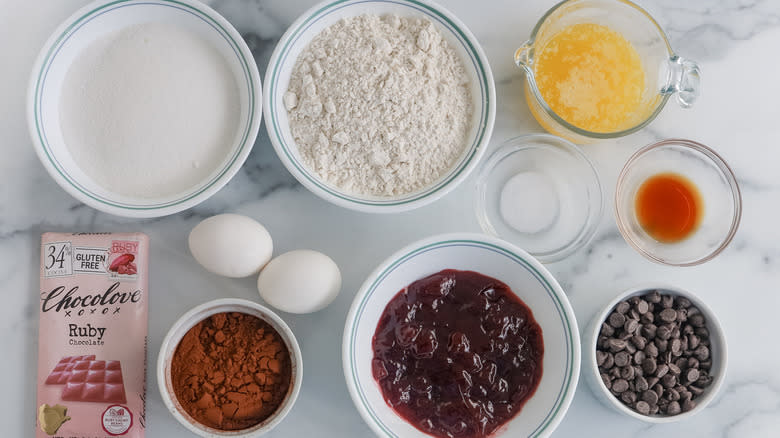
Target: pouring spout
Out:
[684,80]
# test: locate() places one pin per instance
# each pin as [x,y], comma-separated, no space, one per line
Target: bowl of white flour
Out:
[144,108]
[379,106]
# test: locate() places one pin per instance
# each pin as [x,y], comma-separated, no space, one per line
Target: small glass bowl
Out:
[721,200]
[557,190]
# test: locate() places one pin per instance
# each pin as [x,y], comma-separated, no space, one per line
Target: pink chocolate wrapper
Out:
[92,336]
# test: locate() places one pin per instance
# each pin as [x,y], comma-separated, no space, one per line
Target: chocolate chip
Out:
[695,390]
[630,326]
[669,380]
[628,397]
[639,357]
[639,341]
[647,318]
[661,370]
[693,341]
[667,301]
[692,375]
[651,397]
[659,389]
[616,345]
[702,332]
[687,405]
[661,344]
[627,373]
[668,315]
[673,408]
[641,384]
[607,330]
[620,385]
[663,332]
[609,361]
[621,359]
[643,407]
[616,320]
[672,394]
[676,346]
[653,297]
[606,380]
[652,381]
[682,302]
[622,307]
[651,350]
[702,353]
[674,369]
[649,330]
[642,306]
[649,366]
[696,320]
[600,356]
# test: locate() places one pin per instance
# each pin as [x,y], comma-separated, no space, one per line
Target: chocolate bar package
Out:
[92,335]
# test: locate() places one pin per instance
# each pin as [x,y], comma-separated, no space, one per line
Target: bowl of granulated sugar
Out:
[379,106]
[144,109]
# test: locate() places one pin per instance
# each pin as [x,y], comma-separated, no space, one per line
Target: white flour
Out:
[379,106]
[149,111]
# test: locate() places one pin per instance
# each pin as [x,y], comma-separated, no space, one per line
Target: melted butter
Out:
[593,78]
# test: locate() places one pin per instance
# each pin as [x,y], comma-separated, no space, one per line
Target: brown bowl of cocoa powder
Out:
[229,367]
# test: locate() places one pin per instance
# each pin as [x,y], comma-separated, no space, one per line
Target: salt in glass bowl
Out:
[559,200]
[716,183]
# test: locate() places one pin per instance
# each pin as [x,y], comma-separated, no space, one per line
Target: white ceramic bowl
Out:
[324,14]
[194,316]
[489,256]
[718,352]
[89,24]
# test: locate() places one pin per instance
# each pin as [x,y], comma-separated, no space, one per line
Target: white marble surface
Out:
[735,42]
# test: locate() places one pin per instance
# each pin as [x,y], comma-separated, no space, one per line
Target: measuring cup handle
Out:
[684,80]
[523,56]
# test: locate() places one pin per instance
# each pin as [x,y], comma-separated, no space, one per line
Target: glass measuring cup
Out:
[666,73]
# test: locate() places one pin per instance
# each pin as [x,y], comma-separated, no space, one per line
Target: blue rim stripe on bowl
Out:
[86,18]
[462,39]
[569,347]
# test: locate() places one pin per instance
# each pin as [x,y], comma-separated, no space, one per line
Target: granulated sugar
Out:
[379,106]
[149,111]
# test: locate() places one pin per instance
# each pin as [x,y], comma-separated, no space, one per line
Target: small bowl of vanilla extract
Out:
[677,202]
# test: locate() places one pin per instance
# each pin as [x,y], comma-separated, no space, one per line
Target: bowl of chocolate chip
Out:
[657,354]
[229,367]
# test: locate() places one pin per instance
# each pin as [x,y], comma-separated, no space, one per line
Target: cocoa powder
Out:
[231,371]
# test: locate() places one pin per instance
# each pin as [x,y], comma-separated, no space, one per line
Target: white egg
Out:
[301,281]
[231,245]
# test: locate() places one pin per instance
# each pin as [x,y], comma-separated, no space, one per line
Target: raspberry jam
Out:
[457,354]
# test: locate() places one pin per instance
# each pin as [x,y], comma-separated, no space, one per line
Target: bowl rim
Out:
[725,170]
[203,311]
[557,413]
[519,144]
[456,175]
[179,202]
[713,324]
